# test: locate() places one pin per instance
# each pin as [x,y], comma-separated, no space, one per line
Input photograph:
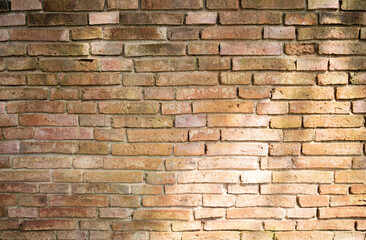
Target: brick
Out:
[7,200]
[159,93]
[232,225]
[159,49]
[180,163]
[351,92]
[8,120]
[103,18]
[22,212]
[219,235]
[106,48]
[113,213]
[94,148]
[272,108]
[359,162]
[63,133]
[183,33]
[333,189]
[340,135]
[353,200]
[12,79]
[336,149]
[161,178]
[56,19]
[124,65]
[292,189]
[125,201]
[144,79]
[42,162]
[157,135]
[88,162]
[67,212]
[48,120]
[128,108]
[342,235]
[323,4]
[254,213]
[359,107]
[119,4]
[71,235]
[322,162]
[69,5]
[186,226]
[17,5]
[297,18]
[160,226]
[190,121]
[26,234]
[342,212]
[218,201]
[353,5]
[5,162]
[133,33]
[233,120]
[230,18]
[28,225]
[279,33]
[195,18]
[12,50]
[172,200]
[238,134]
[302,177]
[223,107]
[21,64]
[189,149]
[149,18]
[84,79]
[25,176]
[142,121]
[319,107]
[325,225]
[54,188]
[58,49]
[203,48]
[78,201]
[108,93]
[266,201]
[67,176]
[186,79]
[69,65]
[109,134]
[209,176]
[284,149]
[160,149]
[194,188]
[355,176]
[49,147]
[358,78]
[164,65]
[279,225]
[51,35]
[284,79]
[275,162]
[206,93]
[320,93]
[81,107]
[315,33]
[213,63]
[185,4]
[332,78]
[285,122]
[250,48]
[313,201]
[342,48]
[147,189]
[202,213]
[235,78]
[302,213]
[273,4]
[12,20]
[344,18]
[23,93]
[237,149]
[231,33]
[86,33]
[221,163]
[312,64]
[162,214]
[263,64]
[300,48]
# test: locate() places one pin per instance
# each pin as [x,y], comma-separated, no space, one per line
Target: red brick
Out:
[253,213]
[263,64]
[302,213]
[204,135]
[196,18]
[213,63]
[203,48]
[250,48]
[163,65]
[118,4]
[28,225]
[142,121]
[186,79]
[49,147]
[134,33]
[63,133]
[56,19]
[48,120]
[123,65]
[206,93]
[172,200]
[7,200]
[159,94]
[12,20]
[155,49]
[113,213]
[69,65]
[273,4]
[90,79]
[23,93]
[300,48]
[251,134]
[296,18]
[232,33]
[170,4]
[67,213]
[237,149]
[158,149]
[79,201]
[22,212]
[42,162]
[12,79]
[82,107]
[69,5]
[359,107]
[202,213]
[106,48]
[189,149]
[232,225]
[103,18]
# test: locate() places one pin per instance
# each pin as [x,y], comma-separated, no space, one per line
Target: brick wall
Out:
[182,119]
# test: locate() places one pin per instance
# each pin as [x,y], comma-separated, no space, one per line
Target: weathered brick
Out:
[233,120]
[250,48]
[232,225]
[300,48]
[170,4]
[120,4]
[159,149]
[186,79]
[331,148]
[12,20]
[196,18]
[236,18]
[314,33]
[231,33]
[273,4]
[237,149]
[69,65]
[323,4]
[104,18]
[263,64]
[70,5]
[165,65]
[132,33]
[343,18]
[57,19]
[297,18]
[253,213]
[172,200]
[149,18]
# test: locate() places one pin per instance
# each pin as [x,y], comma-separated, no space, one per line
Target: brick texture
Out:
[183,119]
